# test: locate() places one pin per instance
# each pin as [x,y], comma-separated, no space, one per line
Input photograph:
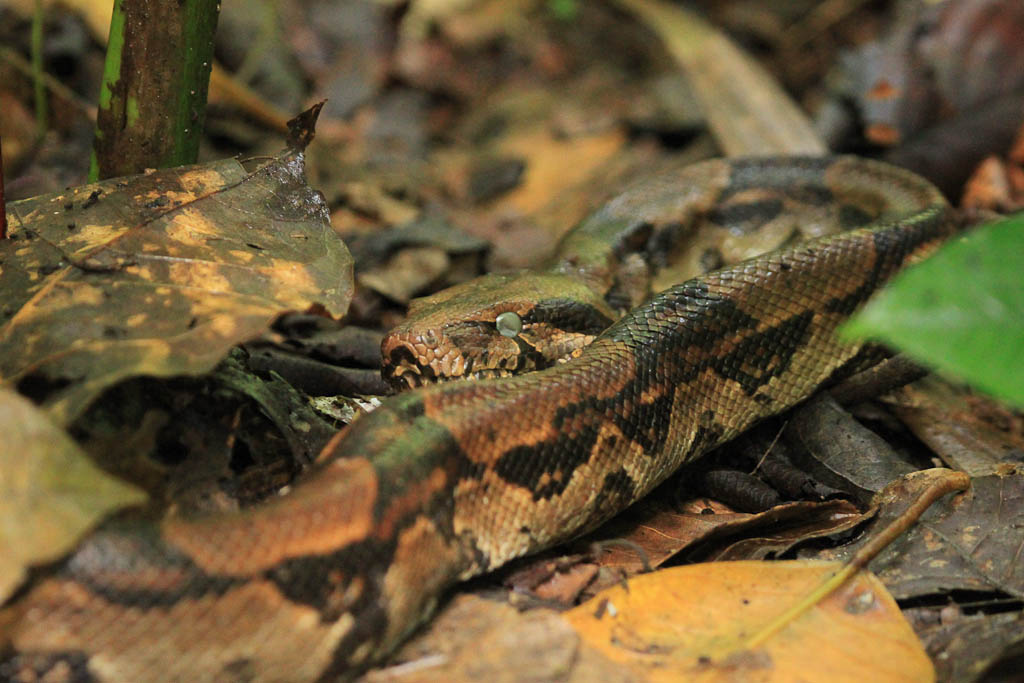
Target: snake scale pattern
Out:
[451,480]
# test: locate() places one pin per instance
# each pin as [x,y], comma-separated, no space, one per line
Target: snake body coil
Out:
[445,482]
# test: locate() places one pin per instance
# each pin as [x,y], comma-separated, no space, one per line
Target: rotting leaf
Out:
[50,492]
[969,432]
[983,647]
[782,528]
[691,623]
[971,542]
[551,580]
[159,274]
[298,423]
[838,450]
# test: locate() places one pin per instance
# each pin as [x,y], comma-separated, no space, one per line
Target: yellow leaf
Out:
[691,624]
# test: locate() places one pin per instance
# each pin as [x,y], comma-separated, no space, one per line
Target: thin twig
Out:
[767,451]
[65,93]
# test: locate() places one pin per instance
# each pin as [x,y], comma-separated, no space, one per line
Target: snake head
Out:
[493,326]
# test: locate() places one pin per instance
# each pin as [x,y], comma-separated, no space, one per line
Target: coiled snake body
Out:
[448,481]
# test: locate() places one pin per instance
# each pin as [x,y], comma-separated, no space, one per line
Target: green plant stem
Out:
[152,100]
[38,80]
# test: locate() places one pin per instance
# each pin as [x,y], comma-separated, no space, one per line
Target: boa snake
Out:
[452,480]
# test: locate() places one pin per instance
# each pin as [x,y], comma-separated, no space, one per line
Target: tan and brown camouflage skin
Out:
[448,481]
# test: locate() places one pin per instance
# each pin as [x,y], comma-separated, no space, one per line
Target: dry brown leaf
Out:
[970,542]
[553,165]
[50,492]
[990,187]
[976,647]
[746,109]
[968,432]
[691,624]
[657,531]
[407,273]
[159,274]
[474,639]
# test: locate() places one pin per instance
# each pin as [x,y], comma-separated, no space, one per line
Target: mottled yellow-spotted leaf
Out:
[50,492]
[159,274]
[692,623]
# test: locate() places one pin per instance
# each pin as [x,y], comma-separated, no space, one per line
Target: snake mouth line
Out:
[413,378]
[410,364]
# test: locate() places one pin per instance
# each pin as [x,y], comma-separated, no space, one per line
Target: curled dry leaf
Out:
[50,492]
[159,274]
[661,532]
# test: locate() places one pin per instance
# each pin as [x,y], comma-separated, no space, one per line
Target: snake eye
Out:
[509,324]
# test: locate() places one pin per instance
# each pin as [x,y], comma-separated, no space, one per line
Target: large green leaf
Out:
[961,311]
